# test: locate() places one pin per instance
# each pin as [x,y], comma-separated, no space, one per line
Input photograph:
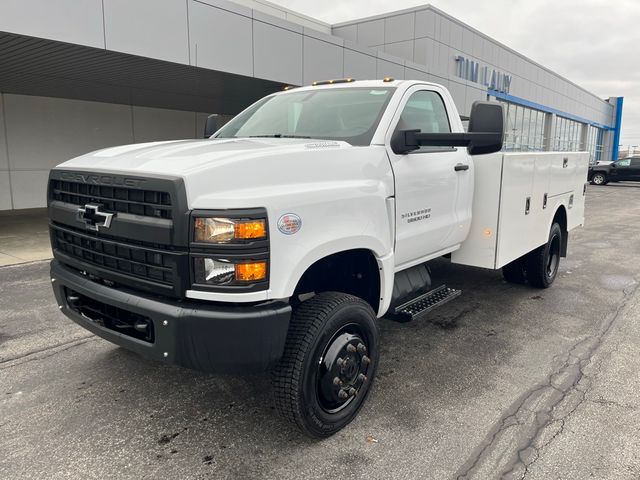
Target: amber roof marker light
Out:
[332,82]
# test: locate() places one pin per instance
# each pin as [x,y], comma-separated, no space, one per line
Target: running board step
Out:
[423,304]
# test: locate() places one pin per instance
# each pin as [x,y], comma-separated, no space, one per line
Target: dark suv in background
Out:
[624,169]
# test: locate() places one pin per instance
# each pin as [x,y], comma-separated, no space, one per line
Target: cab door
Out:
[433,185]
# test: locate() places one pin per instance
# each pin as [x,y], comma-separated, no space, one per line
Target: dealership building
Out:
[79,75]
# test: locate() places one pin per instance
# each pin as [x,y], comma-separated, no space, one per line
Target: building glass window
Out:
[595,137]
[524,130]
[566,135]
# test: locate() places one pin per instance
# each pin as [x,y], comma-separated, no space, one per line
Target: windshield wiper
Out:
[277,135]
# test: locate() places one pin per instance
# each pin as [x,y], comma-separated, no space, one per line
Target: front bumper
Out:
[207,337]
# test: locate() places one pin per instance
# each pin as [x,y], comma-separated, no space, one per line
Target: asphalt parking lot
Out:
[505,382]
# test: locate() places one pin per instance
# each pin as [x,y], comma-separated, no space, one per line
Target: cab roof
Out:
[353,83]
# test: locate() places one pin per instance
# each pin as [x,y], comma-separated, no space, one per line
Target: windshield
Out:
[348,114]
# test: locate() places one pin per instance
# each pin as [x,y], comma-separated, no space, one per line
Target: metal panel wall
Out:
[43,132]
[5,186]
[68,21]
[220,39]
[349,32]
[322,60]
[277,53]
[400,49]
[148,28]
[399,28]
[4,160]
[154,124]
[359,65]
[386,68]
[371,33]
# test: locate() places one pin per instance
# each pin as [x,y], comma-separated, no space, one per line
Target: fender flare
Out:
[383,258]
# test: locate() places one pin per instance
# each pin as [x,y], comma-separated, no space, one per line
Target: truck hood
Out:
[186,157]
[234,173]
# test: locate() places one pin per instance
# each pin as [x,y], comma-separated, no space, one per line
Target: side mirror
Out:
[486,124]
[487,118]
[211,126]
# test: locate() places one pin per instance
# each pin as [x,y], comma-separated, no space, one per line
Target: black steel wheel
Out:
[542,263]
[329,363]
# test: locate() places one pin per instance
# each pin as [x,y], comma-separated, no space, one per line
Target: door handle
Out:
[461,167]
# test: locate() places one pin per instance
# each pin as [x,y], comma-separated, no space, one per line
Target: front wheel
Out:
[328,365]
[542,263]
[599,178]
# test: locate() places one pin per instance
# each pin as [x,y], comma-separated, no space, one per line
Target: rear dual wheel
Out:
[328,365]
[540,266]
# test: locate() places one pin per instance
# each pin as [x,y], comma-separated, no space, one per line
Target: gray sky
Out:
[594,43]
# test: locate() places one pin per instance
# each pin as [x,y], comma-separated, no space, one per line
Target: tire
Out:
[515,271]
[542,263]
[332,347]
[599,178]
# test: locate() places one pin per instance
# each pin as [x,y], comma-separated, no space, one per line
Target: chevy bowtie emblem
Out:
[93,218]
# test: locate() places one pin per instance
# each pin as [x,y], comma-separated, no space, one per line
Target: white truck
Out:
[278,241]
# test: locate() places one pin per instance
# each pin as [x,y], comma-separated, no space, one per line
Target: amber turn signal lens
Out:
[250,229]
[251,272]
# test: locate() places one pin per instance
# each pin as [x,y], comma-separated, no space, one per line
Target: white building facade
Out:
[78,75]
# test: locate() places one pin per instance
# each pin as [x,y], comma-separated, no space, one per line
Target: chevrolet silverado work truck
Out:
[278,241]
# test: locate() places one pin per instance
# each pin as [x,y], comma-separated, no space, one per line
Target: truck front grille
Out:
[132,260]
[144,247]
[149,203]
[136,265]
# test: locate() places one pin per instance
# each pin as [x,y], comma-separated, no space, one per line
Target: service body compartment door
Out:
[517,211]
[516,196]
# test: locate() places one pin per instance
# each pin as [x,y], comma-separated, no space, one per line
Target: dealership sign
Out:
[490,78]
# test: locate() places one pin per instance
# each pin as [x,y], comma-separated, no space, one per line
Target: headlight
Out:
[227,230]
[209,271]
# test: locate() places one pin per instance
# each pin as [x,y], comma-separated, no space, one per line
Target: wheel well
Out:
[352,271]
[561,219]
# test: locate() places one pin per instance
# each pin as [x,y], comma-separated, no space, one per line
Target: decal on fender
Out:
[289,223]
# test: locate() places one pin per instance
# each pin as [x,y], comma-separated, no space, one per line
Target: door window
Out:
[623,163]
[426,112]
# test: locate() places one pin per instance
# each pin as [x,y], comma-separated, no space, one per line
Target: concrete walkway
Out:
[24,238]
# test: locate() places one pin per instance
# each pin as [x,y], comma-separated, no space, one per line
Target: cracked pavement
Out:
[505,382]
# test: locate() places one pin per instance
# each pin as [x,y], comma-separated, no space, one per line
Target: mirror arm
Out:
[413,137]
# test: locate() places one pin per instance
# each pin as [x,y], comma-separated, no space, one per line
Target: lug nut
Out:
[339,361]
[352,392]
[362,377]
[337,382]
[366,360]
[362,349]
[351,348]
[343,395]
